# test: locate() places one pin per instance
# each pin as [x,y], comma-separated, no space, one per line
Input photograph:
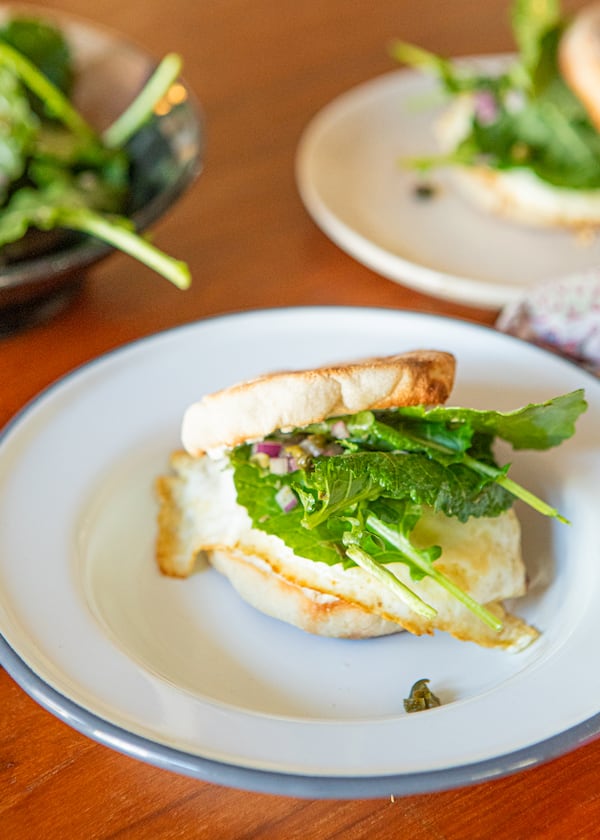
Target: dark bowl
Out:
[166,156]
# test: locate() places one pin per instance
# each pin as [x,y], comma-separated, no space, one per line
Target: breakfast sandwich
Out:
[350,501]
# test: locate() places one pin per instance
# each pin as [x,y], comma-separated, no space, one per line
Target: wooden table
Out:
[261,69]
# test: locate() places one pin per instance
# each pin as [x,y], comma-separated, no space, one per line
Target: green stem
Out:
[54,100]
[404,545]
[515,489]
[398,440]
[128,241]
[138,112]
[384,576]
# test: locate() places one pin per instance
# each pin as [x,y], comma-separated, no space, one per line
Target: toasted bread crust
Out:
[303,607]
[251,410]
[521,197]
[311,610]
[579,61]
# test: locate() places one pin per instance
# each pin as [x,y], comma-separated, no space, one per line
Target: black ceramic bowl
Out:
[166,156]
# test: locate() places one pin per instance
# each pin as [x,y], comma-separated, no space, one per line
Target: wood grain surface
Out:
[260,69]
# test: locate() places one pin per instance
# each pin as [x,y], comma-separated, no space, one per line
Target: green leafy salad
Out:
[526,117]
[56,171]
[351,489]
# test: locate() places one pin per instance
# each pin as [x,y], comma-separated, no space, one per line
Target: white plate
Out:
[184,675]
[350,180]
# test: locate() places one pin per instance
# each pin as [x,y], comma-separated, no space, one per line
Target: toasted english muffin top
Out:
[284,400]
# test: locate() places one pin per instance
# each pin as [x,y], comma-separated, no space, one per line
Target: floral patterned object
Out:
[562,315]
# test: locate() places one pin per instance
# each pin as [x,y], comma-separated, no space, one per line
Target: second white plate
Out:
[349,176]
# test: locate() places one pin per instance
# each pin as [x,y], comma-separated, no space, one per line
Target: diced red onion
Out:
[268,447]
[286,498]
[333,449]
[486,107]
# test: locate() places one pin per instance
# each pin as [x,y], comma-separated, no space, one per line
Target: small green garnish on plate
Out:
[421,697]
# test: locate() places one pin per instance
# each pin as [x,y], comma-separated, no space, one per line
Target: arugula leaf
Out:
[452,462]
[551,135]
[535,426]
[368,533]
[339,539]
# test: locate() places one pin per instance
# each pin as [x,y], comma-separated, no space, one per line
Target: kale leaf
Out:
[339,481]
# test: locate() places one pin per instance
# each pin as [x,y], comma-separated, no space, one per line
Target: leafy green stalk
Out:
[56,171]
[423,59]
[55,102]
[515,489]
[359,556]
[23,125]
[119,232]
[533,23]
[138,112]
[54,208]
[395,537]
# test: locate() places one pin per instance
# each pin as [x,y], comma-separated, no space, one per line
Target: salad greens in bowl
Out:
[97,141]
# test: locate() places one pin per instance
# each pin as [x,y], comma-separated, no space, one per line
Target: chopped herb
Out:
[421,697]
[424,192]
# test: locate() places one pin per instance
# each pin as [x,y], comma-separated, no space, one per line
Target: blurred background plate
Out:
[351,180]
